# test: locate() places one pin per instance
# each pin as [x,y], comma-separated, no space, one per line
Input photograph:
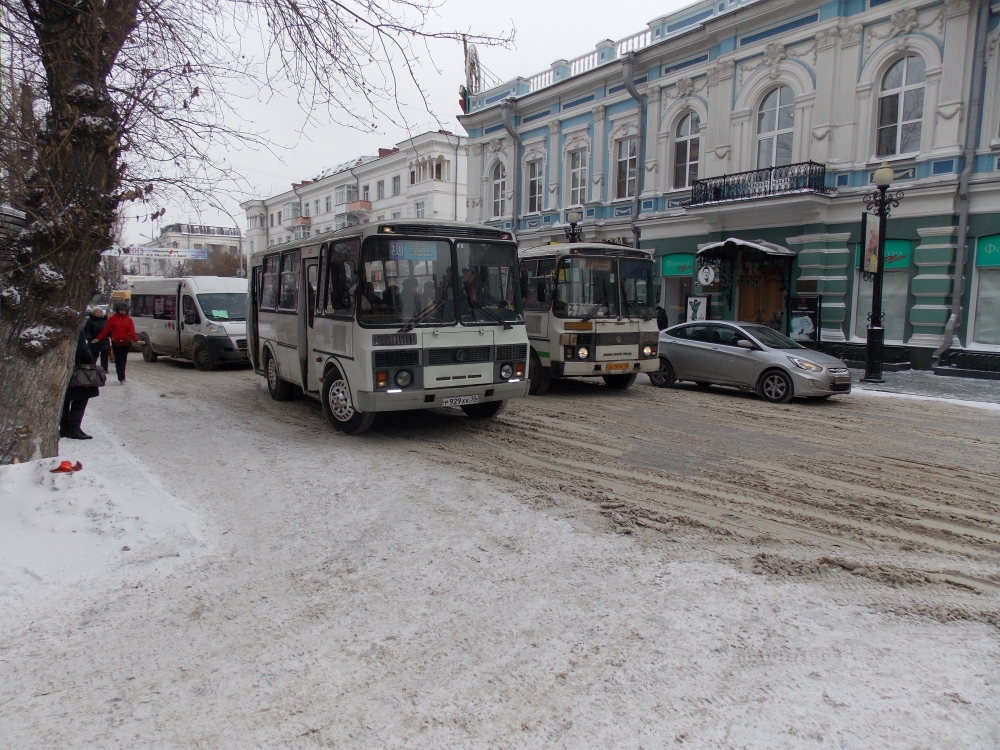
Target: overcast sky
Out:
[545,31]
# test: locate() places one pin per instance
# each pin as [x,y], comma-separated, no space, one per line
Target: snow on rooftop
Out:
[344,166]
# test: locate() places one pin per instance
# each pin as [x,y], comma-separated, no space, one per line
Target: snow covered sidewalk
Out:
[111,520]
[354,594]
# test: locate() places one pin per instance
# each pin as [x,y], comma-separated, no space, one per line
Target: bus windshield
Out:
[638,294]
[488,283]
[586,288]
[224,305]
[402,278]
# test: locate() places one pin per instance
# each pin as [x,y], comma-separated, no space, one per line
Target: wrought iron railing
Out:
[760,183]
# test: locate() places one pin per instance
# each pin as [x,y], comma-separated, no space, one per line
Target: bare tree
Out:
[119,101]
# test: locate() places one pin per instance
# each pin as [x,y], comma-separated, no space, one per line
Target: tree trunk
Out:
[48,270]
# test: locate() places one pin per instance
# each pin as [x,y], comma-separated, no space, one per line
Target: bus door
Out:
[189,320]
[307,324]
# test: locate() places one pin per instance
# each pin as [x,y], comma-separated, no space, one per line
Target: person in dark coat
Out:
[661,318]
[75,403]
[94,325]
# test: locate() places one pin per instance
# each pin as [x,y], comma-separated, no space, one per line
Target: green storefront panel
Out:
[678,264]
[898,254]
[988,252]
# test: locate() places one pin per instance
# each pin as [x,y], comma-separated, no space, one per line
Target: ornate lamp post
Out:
[572,233]
[881,204]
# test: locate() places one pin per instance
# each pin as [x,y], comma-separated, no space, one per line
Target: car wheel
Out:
[484,411]
[201,358]
[338,407]
[278,388]
[775,387]
[539,378]
[664,377]
[148,354]
[619,382]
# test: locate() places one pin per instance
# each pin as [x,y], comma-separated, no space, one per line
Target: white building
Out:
[422,177]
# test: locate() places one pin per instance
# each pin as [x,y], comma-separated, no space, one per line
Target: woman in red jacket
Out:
[121,329]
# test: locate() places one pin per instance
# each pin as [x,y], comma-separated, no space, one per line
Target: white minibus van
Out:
[201,318]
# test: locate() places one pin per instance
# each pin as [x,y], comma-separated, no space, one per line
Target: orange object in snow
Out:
[66,467]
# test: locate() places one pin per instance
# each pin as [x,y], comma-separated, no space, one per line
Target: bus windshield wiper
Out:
[488,311]
[421,315]
[638,308]
[596,307]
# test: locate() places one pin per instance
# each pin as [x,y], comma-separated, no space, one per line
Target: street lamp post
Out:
[881,204]
[572,233]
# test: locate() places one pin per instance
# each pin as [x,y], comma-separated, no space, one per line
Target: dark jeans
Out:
[101,354]
[121,355]
[72,415]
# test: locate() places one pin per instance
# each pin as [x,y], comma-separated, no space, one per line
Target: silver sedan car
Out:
[748,356]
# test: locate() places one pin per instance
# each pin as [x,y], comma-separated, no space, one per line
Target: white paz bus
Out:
[391,316]
[590,311]
[201,318]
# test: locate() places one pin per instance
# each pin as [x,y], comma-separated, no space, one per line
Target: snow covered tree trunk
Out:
[48,269]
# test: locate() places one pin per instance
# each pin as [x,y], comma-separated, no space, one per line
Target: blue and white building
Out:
[765,119]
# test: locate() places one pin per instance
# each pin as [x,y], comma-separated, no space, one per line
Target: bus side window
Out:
[191,316]
[269,287]
[342,278]
[529,269]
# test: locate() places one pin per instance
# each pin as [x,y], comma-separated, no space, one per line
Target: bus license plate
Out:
[460,401]
[617,367]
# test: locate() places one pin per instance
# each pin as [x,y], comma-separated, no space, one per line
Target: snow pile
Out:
[110,518]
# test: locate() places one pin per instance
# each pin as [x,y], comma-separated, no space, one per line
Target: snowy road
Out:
[813,575]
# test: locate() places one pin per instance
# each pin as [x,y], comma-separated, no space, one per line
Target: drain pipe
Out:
[969,155]
[507,110]
[628,71]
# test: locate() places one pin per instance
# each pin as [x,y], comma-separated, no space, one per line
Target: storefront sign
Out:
[678,264]
[698,307]
[897,255]
[179,253]
[988,251]
[804,318]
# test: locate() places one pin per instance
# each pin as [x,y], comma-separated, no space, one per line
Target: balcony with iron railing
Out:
[805,177]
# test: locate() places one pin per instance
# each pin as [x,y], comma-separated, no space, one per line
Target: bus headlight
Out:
[647,351]
[506,371]
[213,328]
[583,352]
[404,378]
[381,379]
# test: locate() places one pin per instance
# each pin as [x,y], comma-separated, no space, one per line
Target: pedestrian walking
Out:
[121,330]
[661,318]
[83,386]
[92,329]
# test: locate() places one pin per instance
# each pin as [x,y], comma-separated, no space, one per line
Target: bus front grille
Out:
[508,352]
[396,358]
[460,355]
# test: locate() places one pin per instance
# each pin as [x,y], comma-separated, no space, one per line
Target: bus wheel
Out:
[619,382]
[539,378]
[278,388]
[484,411]
[664,377]
[339,410]
[201,358]
[147,351]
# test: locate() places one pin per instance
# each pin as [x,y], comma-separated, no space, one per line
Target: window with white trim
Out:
[395,185]
[687,140]
[380,190]
[578,177]
[418,209]
[499,189]
[901,108]
[536,192]
[329,205]
[625,167]
[775,128]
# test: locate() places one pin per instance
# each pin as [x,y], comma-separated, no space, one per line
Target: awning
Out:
[730,247]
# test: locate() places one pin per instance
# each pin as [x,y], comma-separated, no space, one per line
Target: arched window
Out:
[901,108]
[686,150]
[775,124]
[499,189]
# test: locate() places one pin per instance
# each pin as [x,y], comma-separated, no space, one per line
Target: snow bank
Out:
[112,519]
